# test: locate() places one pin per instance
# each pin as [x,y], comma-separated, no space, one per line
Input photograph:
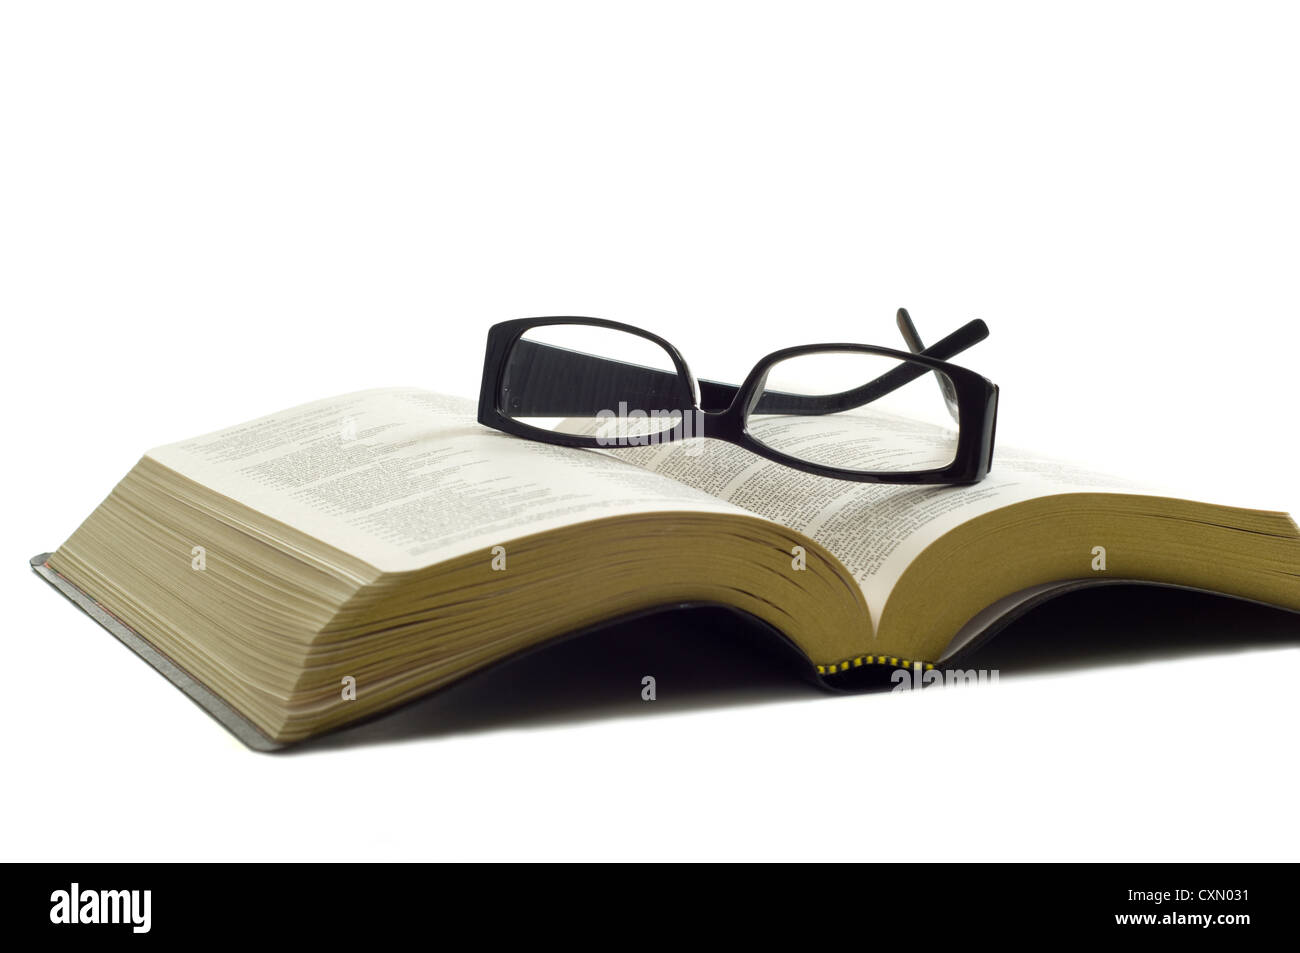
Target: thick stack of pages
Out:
[331,561]
[408,547]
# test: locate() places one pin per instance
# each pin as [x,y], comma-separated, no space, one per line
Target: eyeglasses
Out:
[850,411]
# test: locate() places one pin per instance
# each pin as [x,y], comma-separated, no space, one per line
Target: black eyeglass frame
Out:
[724,408]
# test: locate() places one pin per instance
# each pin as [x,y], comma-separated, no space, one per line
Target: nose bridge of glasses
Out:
[715,396]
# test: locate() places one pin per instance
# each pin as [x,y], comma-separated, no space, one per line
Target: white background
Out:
[210,212]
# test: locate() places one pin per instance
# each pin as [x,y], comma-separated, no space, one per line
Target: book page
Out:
[875,529]
[405,478]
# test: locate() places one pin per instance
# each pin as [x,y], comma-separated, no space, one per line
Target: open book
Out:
[323,564]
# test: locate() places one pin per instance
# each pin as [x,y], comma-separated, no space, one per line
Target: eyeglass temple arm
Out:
[915,345]
[777,402]
[544,380]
